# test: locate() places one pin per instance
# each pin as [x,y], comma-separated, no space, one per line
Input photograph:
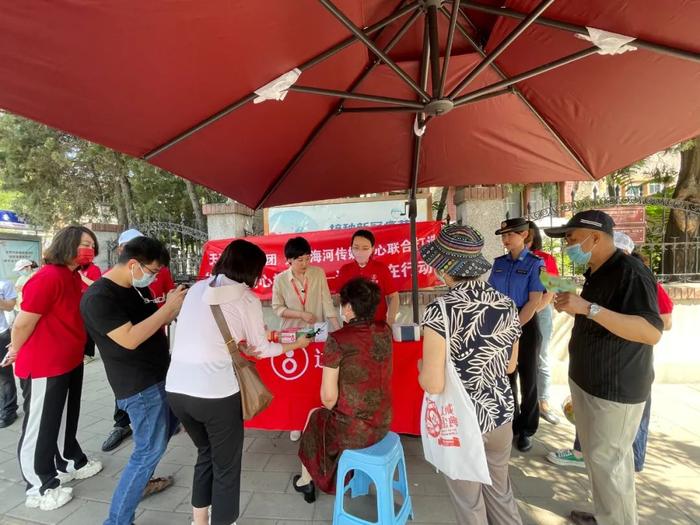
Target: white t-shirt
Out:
[200,364]
[7,293]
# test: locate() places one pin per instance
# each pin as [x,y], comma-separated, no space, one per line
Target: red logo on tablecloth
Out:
[291,367]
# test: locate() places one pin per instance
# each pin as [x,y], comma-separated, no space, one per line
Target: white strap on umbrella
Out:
[278,88]
[418,130]
[608,43]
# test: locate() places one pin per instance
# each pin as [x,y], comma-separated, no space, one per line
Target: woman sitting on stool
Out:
[355,390]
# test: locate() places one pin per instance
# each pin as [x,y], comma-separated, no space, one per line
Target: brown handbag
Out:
[255,397]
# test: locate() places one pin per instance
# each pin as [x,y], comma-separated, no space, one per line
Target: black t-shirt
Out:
[105,306]
[601,363]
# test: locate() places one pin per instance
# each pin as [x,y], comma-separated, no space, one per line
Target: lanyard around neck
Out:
[304,291]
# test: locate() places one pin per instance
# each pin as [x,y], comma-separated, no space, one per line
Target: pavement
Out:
[668,491]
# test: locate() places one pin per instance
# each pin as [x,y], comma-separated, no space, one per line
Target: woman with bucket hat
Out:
[517,275]
[483,330]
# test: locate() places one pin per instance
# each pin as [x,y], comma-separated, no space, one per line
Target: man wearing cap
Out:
[616,324]
[8,388]
[517,275]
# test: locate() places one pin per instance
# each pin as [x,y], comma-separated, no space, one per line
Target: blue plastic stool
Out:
[377,464]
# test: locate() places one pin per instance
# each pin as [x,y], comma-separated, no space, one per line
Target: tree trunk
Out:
[443,203]
[122,172]
[119,205]
[196,206]
[684,227]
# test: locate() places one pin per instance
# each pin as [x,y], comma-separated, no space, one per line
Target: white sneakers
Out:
[52,499]
[92,467]
[295,435]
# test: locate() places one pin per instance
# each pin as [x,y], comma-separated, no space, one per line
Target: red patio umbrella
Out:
[503,94]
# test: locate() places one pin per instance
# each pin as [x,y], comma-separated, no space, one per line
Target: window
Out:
[634,191]
[654,188]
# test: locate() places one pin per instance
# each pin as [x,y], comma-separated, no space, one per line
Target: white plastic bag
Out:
[452,440]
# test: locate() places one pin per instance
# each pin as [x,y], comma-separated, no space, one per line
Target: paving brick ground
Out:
[668,489]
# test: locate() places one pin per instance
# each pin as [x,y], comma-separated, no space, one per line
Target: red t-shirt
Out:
[550,263]
[56,345]
[92,272]
[162,285]
[376,272]
[664,301]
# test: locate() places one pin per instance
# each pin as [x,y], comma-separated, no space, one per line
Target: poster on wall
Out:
[345,213]
[12,250]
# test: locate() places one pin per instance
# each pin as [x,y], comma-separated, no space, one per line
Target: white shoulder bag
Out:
[452,440]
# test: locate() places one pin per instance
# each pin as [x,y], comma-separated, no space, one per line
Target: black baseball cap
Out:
[519,224]
[589,219]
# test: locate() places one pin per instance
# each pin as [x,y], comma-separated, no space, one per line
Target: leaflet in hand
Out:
[556,284]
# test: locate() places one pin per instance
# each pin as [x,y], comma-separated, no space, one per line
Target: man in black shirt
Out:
[611,363]
[126,325]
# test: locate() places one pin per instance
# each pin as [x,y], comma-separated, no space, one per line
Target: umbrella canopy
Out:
[503,94]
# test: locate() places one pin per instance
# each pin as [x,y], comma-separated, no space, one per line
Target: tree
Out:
[683,226]
[53,178]
[196,205]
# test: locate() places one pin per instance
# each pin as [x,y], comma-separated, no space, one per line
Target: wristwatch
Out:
[593,310]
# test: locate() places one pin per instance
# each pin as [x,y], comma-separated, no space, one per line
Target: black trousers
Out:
[527,408]
[90,347]
[216,428]
[48,440]
[8,388]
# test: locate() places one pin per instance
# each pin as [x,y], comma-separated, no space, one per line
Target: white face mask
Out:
[361,256]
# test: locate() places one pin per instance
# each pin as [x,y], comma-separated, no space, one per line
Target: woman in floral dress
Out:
[355,391]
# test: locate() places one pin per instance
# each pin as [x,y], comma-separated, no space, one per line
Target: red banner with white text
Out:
[331,249]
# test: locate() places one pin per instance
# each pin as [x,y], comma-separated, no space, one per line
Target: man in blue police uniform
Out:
[517,275]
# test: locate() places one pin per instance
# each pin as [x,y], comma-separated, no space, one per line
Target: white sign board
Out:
[344,214]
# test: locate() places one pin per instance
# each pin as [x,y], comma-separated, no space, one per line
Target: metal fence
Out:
[670,257]
[183,242]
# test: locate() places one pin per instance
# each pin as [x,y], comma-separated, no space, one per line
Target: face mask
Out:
[361,257]
[85,255]
[143,282]
[24,272]
[577,255]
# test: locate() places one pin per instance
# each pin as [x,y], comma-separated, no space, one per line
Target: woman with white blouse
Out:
[201,384]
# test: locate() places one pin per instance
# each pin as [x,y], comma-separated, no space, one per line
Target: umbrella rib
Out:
[371,109]
[199,126]
[502,46]
[528,74]
[573,28]
[317,131]
[306,65]
[448,48]
[559,139]
[344,20]
[356,96]
[413,6]
[431,17]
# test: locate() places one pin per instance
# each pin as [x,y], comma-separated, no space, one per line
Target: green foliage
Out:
[52,178]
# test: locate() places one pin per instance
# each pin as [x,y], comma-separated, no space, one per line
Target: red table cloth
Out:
[295,380]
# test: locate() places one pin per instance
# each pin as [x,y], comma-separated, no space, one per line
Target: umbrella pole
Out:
[412,214]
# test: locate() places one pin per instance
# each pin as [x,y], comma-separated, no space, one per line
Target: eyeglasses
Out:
[150,270]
